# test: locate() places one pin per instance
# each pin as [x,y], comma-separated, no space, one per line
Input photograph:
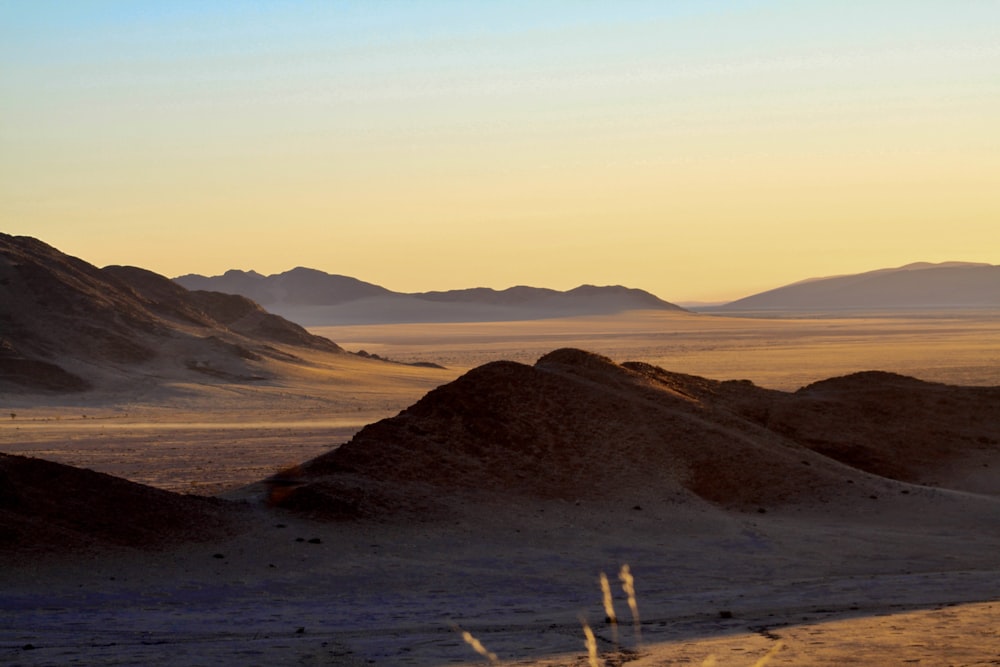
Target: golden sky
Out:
[699,150]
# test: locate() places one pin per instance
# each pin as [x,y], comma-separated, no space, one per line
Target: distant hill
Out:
[298,287]
[917,286]
[64,322]
[314,298]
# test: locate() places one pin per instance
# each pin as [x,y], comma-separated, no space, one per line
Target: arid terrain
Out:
[187,479]
[884,555]
[206,437]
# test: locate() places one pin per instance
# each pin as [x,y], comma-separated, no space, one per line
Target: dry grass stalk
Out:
[477,645]
[609,608]
[590,643]
[628,585]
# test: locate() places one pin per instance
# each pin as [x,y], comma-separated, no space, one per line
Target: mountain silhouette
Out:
[315,298]
[914,286]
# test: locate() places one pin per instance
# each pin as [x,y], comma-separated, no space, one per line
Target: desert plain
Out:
[874,570]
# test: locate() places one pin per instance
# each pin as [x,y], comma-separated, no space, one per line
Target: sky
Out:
[702,150]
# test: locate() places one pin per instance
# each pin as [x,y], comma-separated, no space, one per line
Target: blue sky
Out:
[699,150]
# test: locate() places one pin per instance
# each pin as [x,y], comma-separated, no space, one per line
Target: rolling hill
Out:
[920,286]
[576,427]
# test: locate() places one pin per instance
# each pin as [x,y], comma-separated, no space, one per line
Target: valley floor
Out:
[914,581]
[709,584]
[209,438]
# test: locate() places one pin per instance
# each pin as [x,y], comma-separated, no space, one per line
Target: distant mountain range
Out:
[314,298]
[66,324]
[920,286]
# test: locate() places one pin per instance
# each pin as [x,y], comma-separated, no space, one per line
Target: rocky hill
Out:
[577,427]
[65,323]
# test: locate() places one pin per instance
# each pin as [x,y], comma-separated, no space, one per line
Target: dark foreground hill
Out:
[920,286]
[316,298]
[64,322]
[577,427]
[47,507]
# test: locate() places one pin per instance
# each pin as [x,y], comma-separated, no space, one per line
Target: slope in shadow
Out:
[59,314]
[48,508]
[577,426]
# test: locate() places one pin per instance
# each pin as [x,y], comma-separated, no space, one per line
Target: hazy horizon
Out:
[702,151]
[676,301]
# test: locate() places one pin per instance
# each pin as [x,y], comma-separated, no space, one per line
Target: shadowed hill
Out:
[59,314]
[576,426]
[894,426]
[47,507]
[212,309]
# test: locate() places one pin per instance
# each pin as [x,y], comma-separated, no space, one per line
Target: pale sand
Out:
[957,348]
[178,438]
[204,438]
[869,587]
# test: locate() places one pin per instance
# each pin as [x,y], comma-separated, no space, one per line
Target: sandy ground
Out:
[214,436]
[958,348]
[900,585]
[295,592]
[209,438]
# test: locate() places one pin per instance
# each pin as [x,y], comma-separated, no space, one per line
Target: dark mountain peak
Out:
[237,273]
[635,298]
[307,271]
[300,286]
[323,298]
[606,289]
